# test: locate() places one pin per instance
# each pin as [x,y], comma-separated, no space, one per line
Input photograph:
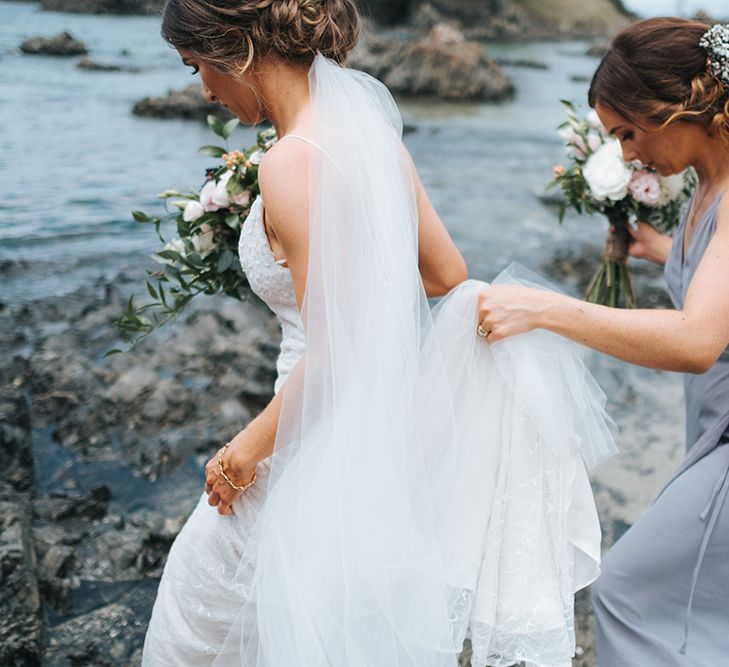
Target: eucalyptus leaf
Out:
[140,216]
[216,125]
[225,259]
[229,127]
[212,151]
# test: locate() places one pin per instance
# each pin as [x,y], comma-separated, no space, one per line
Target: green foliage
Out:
[203,259]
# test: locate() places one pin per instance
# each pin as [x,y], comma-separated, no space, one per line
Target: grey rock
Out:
[112,554]
[21,627]
[233,412]
[60,505]
[93,66]
[16,457]
[165,394]
[524,63]
[131,384]
[62,44]
[598,48]
[57,561]
[106,637]
[443,64]
[188,103]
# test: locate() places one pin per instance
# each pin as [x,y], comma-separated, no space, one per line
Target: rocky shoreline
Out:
[102,457]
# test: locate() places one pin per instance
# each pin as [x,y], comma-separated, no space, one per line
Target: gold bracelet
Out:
[224,475]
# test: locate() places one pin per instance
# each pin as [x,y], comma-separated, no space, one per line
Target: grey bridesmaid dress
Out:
[663,596]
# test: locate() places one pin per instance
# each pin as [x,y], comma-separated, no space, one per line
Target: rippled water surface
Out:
[75,161]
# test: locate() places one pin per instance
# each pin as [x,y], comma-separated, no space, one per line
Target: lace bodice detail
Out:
[272,283]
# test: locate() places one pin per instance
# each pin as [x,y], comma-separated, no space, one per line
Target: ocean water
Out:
[75,161]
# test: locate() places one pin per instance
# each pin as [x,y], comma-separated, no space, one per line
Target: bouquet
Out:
[202,258]
[598,180]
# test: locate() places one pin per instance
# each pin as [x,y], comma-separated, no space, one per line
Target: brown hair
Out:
[656,70]
[230,34]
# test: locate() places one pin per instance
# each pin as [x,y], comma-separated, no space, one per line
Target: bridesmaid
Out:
[663,596]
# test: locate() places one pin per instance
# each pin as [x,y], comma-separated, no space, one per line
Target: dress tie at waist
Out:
[712,511]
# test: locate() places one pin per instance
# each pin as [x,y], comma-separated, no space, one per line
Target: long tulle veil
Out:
[402,440]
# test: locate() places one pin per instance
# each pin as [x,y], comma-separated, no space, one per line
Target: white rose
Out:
[220,196]
[593,120]
[606,173]
[671,188]
[575,144]
[193,211]
[203,242]
[175,244]
[207,197]
[256,157]
[594,141]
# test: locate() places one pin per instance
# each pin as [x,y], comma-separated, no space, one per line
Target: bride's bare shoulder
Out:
[283,177]
[284,167]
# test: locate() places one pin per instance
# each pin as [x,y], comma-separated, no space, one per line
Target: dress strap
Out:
[319,148]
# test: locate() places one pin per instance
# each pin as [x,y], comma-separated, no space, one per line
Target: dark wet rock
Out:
[16,456]
[173,399]
[21,626]
[598,48]
[20,606]
[58,560]
[107,637]
[62,44]
[188,103]
[524,63]
[93,66]
[13,267]
[443,64]
[60,506]
[103,6]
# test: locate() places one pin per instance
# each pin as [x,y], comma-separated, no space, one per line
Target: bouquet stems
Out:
[612,284]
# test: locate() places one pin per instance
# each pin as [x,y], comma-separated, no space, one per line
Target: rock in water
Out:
[443,64]
[93,66]
[189,103]
[62,44]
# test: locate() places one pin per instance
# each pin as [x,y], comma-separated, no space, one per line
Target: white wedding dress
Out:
[424,486]
[195,608]
[533,536]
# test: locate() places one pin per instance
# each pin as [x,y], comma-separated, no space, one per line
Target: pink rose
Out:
[243,199]
[645,188]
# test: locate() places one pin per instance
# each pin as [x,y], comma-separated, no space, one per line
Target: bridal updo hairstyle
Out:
[231,34]
[657,70]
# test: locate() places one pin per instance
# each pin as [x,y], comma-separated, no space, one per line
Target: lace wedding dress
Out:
[196,605]
[195,609]
[425,486]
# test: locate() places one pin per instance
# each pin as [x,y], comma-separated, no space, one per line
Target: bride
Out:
[409,485]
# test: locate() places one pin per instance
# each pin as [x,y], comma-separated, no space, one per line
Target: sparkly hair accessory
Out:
[716,42]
